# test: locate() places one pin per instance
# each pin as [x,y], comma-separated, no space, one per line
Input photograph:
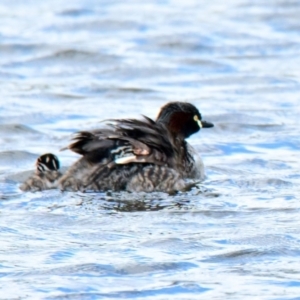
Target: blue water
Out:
[65,66]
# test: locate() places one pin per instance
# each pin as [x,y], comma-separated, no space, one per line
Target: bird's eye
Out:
[196,119]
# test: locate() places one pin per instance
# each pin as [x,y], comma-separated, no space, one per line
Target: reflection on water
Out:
[65,66]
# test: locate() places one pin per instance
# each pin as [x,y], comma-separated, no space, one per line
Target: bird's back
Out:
[125,155]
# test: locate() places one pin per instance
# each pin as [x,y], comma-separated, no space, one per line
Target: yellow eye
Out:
[198,121]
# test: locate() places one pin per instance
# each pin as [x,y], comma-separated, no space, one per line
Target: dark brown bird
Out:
[138,155]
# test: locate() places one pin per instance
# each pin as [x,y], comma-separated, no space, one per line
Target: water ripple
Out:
[66,66]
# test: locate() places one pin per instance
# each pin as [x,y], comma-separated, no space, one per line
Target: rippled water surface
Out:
[64,66]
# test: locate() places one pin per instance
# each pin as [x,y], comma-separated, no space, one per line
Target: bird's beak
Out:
[204,124]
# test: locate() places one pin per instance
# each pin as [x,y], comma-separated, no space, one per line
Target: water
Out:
[66,66]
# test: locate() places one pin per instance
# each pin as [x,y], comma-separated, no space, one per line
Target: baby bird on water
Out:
[46,174]
[135,155]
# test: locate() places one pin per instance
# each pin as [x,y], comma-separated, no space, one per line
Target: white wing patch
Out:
[130,159]
[125,160]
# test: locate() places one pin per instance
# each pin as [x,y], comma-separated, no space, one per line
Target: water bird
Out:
[136,154]
[46,175]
